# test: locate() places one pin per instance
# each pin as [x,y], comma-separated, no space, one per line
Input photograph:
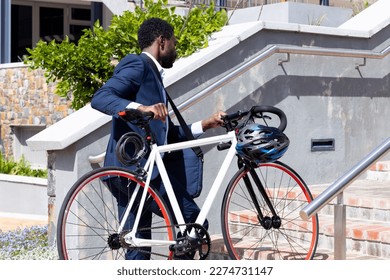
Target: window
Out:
[76,31]
[81,14]
[80,19]
[21,31]
[34,21]
[51,24]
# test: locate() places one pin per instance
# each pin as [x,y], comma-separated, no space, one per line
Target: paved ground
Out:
[12,221]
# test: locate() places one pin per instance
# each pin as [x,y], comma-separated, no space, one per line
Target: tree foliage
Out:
[80,69]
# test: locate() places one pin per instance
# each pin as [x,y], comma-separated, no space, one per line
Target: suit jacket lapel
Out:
[183,124]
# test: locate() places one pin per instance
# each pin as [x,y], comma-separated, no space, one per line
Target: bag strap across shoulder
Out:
[184,126]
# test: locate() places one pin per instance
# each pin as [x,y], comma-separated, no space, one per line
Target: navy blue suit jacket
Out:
[134,80]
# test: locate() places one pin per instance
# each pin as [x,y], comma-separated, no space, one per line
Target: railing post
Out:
[340,240]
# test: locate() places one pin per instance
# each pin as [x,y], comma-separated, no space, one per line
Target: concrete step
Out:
[219,252]
[369,238]
[380,171]
[365,199]
[367,213]
[368,219]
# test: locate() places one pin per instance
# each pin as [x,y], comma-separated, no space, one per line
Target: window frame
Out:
[67,7]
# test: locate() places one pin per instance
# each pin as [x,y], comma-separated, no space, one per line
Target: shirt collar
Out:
[159,68]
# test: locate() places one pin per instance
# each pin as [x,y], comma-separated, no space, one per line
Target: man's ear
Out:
[161,41]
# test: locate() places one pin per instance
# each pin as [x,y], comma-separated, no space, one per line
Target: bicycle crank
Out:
[195,246]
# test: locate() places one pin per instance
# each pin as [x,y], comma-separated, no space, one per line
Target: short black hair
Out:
[151,29]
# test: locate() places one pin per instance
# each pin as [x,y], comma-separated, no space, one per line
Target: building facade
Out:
[27,103]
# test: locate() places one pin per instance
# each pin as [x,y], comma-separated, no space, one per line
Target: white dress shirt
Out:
[196,128]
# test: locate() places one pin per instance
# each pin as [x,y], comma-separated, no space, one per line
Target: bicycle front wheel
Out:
[90,216]
[281,235]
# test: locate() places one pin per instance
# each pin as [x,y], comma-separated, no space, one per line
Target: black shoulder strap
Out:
[184,126]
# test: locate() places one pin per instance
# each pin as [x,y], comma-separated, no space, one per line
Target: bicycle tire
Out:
[246,238]
[88,220]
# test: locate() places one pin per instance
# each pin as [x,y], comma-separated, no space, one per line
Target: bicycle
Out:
[259,214]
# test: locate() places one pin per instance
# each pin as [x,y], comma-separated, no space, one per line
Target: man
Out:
[136,83]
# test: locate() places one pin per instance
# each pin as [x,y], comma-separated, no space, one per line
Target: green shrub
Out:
[21,167]
[80,69]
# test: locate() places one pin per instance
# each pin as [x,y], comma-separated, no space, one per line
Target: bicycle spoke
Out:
[287,239]
[89,218]
[106,207]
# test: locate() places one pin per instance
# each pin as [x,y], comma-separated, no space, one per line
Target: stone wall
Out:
[26,99]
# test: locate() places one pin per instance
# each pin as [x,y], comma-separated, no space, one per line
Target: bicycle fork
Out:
[265,221]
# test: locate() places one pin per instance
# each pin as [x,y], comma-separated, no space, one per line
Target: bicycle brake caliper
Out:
[141,173]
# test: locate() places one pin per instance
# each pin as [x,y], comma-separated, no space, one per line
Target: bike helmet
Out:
[258,143]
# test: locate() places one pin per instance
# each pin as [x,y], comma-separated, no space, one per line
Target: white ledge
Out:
[68,130]
[13,65]
[23,179]
[371,20]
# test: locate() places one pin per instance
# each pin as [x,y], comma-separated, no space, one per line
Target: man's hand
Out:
[213,121]
[159,110]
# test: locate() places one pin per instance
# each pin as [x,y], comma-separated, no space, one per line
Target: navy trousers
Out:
[122,192]
[324,2]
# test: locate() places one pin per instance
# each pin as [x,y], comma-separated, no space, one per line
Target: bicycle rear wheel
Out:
[248,236]
[89,218]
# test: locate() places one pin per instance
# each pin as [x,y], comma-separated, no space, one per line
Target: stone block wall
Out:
[27,99]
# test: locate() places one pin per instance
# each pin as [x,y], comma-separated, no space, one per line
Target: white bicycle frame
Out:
[155,158]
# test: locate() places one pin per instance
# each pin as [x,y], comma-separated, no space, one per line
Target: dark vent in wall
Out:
[320,145]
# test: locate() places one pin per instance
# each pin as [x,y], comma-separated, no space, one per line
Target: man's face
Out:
[168,54]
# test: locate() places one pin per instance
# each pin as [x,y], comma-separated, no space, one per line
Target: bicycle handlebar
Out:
[270,109]
[142,119]
[136,117]
[231,120]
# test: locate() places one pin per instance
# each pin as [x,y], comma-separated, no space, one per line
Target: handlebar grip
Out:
[235,116]
[224,146]
[136,115]
[270,109]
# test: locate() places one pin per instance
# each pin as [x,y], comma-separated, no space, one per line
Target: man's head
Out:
[157,36]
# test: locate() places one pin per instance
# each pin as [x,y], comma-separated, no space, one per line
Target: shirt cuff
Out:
[196,129]
[133,105]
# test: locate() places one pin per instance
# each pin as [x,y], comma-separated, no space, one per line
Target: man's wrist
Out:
[205,125]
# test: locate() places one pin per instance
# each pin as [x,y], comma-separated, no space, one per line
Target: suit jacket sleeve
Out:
[121,88]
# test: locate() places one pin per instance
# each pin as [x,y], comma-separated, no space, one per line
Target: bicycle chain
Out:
[205,240]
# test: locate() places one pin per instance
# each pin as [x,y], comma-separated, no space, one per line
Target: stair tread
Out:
[367,222]
[362,193]
[382,166]
[360,229]
[218,251]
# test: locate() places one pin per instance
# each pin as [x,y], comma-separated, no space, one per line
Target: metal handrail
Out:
[269,51]
[344,181]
